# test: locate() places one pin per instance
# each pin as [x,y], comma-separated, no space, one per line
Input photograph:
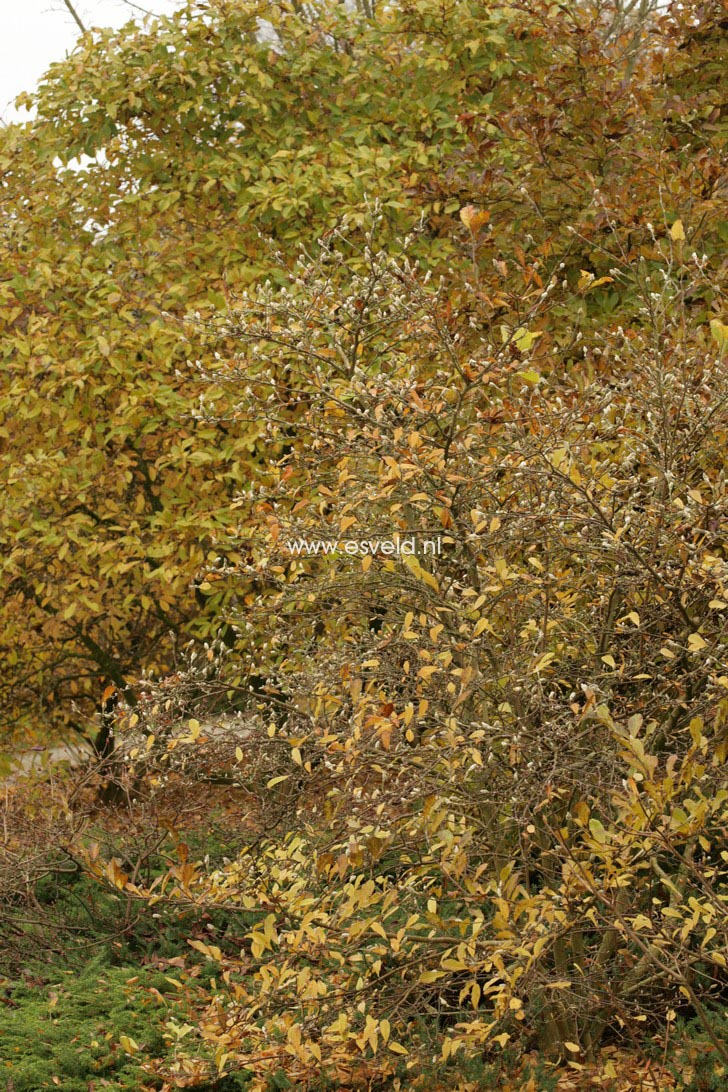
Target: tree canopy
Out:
[208,140]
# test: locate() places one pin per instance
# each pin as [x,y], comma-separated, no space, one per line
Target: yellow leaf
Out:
[198,946]
[696,642]
[430,580]
[542,662]
[677,232]
[501,568]
[430,976]
[587,281]
[397,1048]
[296,756]
[128,1044]
[609,661]
[416,569]
[529,376]
[523,339]
[573,1047]
[115,874]
[709,934]
[598,831]
[558,457]
[696,730]
[720,332]
[453,964]
[473,218]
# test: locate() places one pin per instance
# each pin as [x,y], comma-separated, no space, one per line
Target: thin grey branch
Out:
[76,16]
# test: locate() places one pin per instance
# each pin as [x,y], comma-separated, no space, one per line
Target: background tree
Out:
[199,132]
[202,131]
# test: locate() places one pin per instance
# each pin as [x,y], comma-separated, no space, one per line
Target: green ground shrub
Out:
[64,1032]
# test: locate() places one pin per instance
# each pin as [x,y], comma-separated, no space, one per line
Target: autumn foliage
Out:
[449,274]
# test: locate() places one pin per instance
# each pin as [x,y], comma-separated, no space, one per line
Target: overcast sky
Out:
[37,32]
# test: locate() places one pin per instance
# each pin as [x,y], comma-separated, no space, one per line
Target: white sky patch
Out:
[35,33]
